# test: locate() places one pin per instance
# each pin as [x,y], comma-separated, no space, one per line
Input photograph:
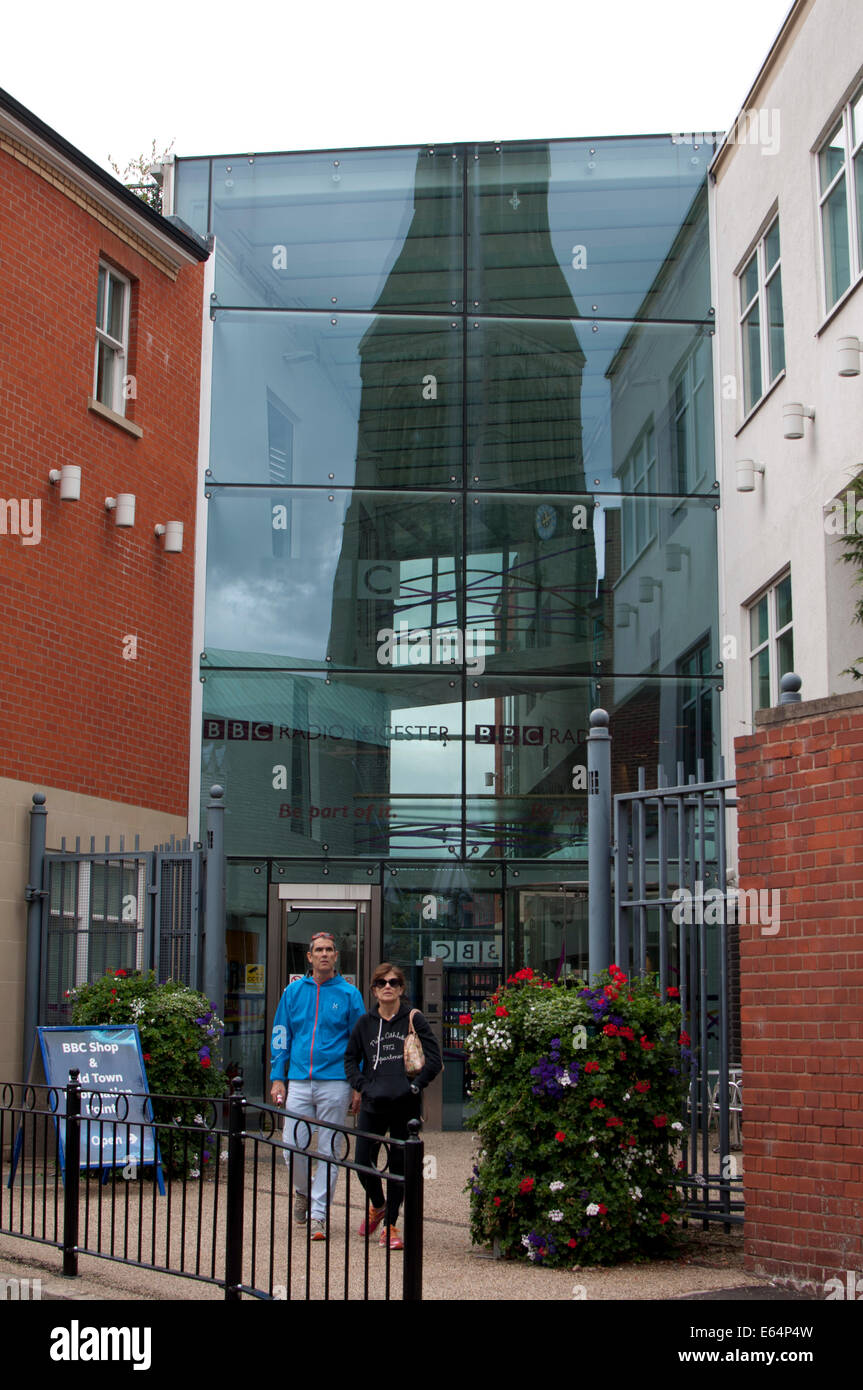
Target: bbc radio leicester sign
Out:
[479,952]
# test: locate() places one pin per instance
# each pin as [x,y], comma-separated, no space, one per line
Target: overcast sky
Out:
[261,75]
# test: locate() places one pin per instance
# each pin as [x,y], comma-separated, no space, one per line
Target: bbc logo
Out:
[508,733]
[238,729]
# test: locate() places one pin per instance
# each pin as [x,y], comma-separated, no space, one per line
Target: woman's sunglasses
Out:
[393,984]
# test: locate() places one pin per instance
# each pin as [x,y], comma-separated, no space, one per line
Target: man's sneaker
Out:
[390,1236]
[319,1230]
[301,1208]
[376,1216]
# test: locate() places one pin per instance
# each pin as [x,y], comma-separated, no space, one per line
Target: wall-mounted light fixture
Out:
[123,507]
[173,533]
[746,470]
[69,478]
[622,614]
[848,350]
[792,419]
[646,587]
[674,556]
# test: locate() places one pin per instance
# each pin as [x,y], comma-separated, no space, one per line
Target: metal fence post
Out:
[71,1189]
[412,1274]
[34,894]
[214,913]
[236,1194]
[599,842]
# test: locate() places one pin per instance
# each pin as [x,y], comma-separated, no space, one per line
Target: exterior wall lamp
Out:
[622,614]
[123,507]
[69,478]
[674,557]
[646,587]
[848,350]
[746,470]
[792,419]
[173,533]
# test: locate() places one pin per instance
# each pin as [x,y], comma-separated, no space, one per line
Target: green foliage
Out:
[137,177]
[578,1094]
[181,1042]
[852,554]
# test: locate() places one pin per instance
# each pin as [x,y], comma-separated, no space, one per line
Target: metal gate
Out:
[111,910]
[675,914]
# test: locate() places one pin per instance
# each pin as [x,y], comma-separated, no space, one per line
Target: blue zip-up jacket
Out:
[311,1029]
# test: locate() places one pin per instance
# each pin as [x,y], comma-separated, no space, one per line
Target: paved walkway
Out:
[710,1265]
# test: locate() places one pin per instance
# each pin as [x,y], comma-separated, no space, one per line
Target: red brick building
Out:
[100,345]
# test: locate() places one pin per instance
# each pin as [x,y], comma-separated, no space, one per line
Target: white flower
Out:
[525,1240]
[199,1119]
[676,1125]
[635,1193]
[556,1186]
[555,1215]
[194,1173]
[592,1210]
[626,1097]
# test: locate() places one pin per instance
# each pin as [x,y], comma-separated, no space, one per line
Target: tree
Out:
[137,176]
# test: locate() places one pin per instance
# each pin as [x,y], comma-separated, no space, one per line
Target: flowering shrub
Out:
[576,1092]
[180,1039]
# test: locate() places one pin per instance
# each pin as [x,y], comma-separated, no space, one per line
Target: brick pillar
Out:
[800,794]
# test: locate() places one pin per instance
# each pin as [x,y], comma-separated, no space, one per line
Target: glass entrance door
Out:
[345,921]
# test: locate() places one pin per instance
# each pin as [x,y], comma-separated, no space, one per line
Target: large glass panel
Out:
[363,229]
[569,228]
[246,1025]
[550,587]
[562,404]
[191,193]
[350,579]
[318,398]
[837,258]
[351,766]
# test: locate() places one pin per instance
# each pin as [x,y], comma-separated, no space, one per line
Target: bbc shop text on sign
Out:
[116,1115]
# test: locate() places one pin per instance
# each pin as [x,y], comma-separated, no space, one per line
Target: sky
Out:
[298,75]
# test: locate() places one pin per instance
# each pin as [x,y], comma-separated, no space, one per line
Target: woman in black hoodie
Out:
[374,1065]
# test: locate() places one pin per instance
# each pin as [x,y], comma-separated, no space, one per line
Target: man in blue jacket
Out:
[314,1020]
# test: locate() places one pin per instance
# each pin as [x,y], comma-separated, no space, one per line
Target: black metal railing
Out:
[210,1200]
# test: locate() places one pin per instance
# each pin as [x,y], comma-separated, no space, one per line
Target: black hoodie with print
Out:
[374,1060]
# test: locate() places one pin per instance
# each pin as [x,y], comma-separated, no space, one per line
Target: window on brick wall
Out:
[762,328]
[840,195]
[771,643]
[112,339]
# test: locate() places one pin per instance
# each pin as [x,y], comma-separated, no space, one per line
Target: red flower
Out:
[622,1056]
[681,1167]
[642,1086]
[660,1121]
[602,1209]
[648,1046]
[626,1033]
[560,1136]
[610,1030]
[501,1012]
[526,1185]
[546,984]
[113,992]
[663,1218]
[465,1020]
[596,1104]
[631,1141]
[684,1039]
[673,992]
[524,974]
[497,1201]
[146,1057]
[121,973]
[610,1123]
[205,1062]
[572,1242]
[591,1066]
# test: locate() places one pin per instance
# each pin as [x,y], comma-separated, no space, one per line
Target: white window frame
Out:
[119,347]
[638,479]
[687,377]
[766,277]
[771,641]
[844,124]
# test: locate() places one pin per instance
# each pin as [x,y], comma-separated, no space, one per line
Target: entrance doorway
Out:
[298,911]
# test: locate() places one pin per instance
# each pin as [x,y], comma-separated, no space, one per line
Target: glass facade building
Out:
[461,490]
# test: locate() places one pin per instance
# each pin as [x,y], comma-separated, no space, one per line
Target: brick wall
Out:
[800,793]
[75,713]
